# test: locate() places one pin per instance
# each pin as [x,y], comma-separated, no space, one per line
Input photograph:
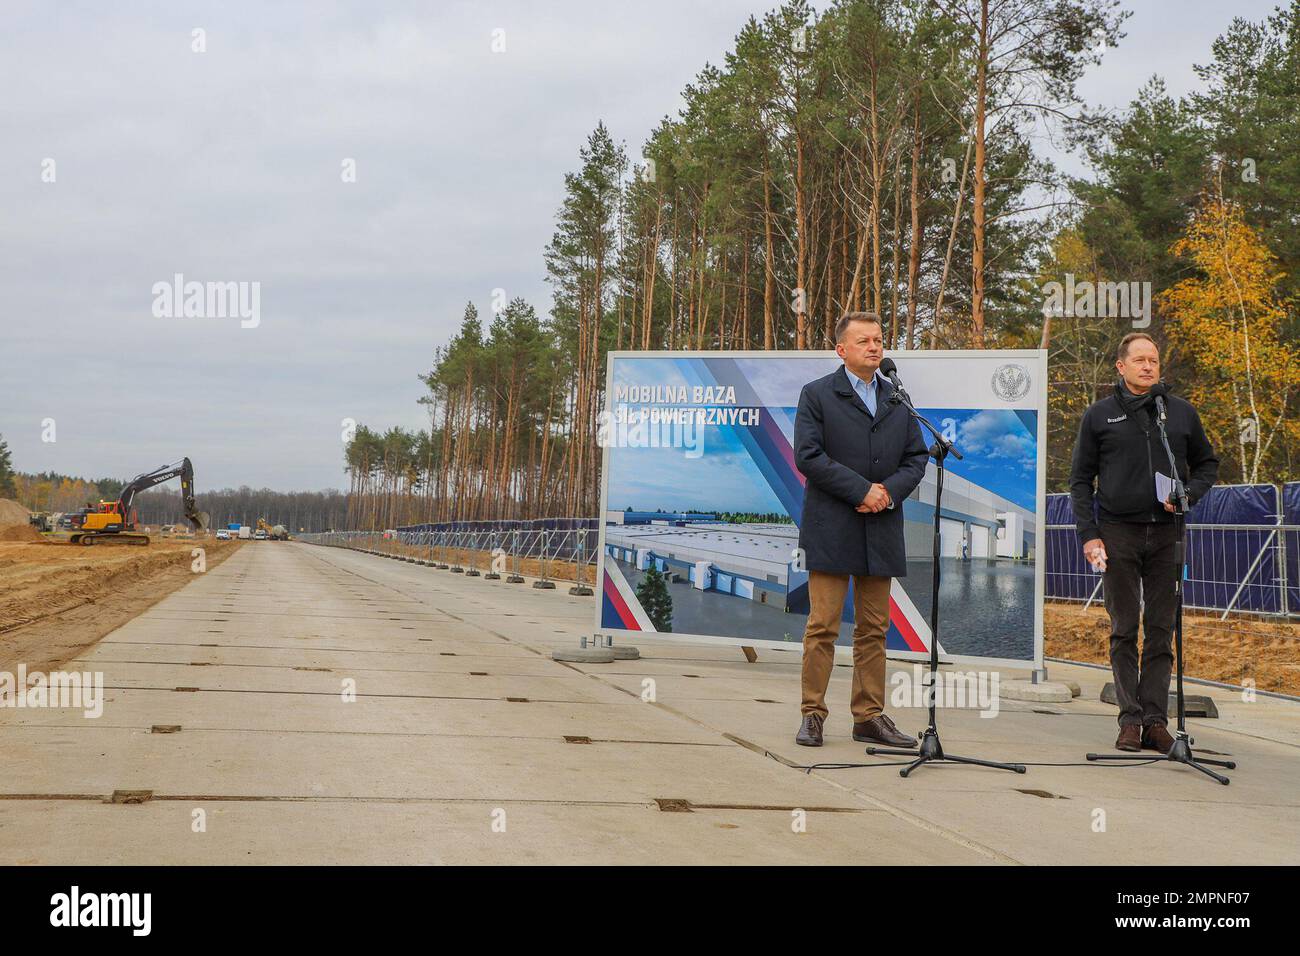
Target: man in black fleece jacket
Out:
[1132,535]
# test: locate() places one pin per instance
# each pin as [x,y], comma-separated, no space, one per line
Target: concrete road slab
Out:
[685,756]
[141,710]
[442,832]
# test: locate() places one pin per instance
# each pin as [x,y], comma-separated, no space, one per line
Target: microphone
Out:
[1159,391]
[890,371]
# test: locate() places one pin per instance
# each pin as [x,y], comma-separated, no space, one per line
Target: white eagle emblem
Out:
[1011,382]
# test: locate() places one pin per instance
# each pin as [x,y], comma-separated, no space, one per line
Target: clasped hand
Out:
[877,499]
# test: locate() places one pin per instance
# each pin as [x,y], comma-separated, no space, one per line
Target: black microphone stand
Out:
[1181,751]
[930,749]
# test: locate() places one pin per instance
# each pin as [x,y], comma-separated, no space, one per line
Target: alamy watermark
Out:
[976,690]
[1099,300]
[208,300]
[82,690]
[129,910]
[670,416]
[653,427]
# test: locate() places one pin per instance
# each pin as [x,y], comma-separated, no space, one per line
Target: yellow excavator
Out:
[114,521]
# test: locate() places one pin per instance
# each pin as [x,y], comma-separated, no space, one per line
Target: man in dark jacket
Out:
[1133,542]
[862,457]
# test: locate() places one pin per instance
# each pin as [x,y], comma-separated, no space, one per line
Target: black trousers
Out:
[1139,580]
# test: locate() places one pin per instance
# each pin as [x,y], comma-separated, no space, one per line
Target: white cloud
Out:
[998,435]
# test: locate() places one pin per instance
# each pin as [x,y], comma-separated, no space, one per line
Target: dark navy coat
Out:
[842,450]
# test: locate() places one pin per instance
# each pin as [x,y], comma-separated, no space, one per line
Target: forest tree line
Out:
[298,511]
[879,156]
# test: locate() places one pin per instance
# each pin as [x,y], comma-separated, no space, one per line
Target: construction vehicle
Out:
[114,521]
[277,532]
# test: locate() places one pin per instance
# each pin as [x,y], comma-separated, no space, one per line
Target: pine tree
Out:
[7,488]
[653,594]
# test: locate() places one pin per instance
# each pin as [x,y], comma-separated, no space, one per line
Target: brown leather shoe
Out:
[1130,737]
[810,731]
[881,730]
[1157,737]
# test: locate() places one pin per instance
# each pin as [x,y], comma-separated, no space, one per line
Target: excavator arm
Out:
[149,479]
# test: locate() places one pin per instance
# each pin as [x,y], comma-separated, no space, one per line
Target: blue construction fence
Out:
[1243,551]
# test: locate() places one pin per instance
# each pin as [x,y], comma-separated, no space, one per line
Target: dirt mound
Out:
[20,532]
[38,582]
[1232,651]
[11,512]
[55,602]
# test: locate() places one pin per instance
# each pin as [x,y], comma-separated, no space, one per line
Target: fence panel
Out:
[1232,566]
[1291,547]
[561,547]
[1242,544]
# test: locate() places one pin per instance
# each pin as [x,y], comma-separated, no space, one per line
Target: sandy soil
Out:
[57,599]
[20,532]
[1231,651]
[11,512]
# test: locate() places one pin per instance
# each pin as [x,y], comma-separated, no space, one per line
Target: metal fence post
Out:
[1093,596]
[580,588]
[492,574]
[544,582]
[472,571]
[455,550]
[514,577]
[1281,557]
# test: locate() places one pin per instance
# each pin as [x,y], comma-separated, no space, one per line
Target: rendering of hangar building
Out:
[759,561]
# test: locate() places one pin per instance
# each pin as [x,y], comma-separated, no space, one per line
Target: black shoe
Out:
[810,731]
[881,730]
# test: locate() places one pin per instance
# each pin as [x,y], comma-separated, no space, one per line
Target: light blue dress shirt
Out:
[867,392]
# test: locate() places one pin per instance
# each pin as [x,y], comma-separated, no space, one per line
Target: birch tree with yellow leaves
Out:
[1227,322]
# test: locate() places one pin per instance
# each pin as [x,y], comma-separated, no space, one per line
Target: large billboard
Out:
[701,502]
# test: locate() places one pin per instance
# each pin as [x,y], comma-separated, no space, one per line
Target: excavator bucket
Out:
[200,520]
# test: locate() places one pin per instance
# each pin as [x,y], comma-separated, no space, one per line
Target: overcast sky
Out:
[227,165]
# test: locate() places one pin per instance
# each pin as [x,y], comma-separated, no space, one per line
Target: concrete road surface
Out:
[337,707]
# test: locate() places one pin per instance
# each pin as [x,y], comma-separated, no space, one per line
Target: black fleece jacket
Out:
[1121,451]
